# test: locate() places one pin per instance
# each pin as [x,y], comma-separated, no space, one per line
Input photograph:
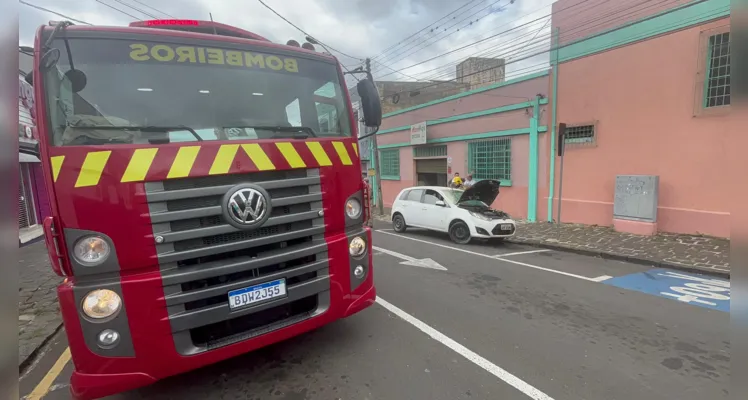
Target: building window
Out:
[583,134]
[717,84]
[491,159]
[430,151]
[390,160]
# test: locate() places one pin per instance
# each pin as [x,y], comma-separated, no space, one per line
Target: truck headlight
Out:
[357,248]
[91,251]
[353,208]
[101,303]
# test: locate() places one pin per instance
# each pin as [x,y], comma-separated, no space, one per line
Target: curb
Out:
[610,256]
[619,257]
[25,364]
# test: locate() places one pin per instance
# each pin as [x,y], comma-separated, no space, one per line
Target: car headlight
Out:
[357,248]
[91,250]
[353,208]
[101,303]
[480,216]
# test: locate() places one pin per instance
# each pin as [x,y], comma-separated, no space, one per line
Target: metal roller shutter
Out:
[431,166]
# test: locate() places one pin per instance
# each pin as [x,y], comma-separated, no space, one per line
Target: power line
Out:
[117,9]
[316,40]
[53,12]
[302,31]
[423,29]
[514,28]
[532,22]
[482,40]
[574,31]
[558,47]
[154,9]
[401,73]
[136,9]
[392,58]
[536,33]
[415,43]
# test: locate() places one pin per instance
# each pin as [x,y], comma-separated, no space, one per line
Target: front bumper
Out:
[151,337]
[492,229]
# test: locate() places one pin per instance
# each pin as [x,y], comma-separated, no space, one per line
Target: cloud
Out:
[361,28]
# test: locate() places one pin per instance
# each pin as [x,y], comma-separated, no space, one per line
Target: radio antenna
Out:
[215,32]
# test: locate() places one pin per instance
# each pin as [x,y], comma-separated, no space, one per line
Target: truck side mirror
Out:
[370,103]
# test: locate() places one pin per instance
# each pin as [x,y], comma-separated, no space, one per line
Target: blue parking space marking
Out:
[698,290]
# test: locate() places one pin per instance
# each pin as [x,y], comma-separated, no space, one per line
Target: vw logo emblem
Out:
[247,206]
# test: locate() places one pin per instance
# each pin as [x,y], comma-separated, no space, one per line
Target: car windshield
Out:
[135,92]
[452,195]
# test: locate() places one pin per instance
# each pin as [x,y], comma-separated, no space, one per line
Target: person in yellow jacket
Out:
[456,181]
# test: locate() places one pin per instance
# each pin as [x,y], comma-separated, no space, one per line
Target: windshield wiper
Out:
[290,129]
[142,128]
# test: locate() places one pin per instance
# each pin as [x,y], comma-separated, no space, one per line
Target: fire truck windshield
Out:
[132,92]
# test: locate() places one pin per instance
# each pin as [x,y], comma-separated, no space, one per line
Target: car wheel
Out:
[459,233]
[398,223]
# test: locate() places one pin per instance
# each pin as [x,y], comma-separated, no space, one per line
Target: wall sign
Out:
[418,133]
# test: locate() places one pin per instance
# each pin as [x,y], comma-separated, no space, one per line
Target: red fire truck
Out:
[206,194]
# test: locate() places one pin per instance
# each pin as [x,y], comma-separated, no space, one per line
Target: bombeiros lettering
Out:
[214,56]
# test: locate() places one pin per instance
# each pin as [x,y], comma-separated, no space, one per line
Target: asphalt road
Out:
[527,324]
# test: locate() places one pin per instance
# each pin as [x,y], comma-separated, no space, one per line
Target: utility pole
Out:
[377,168]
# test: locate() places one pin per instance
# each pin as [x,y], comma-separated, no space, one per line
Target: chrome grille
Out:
[202,257]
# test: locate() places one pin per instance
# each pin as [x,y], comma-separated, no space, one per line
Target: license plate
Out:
[257,294]
[506,227]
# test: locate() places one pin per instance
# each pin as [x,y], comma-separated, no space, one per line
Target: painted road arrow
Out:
[408,260]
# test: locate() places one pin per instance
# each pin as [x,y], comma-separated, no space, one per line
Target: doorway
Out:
[432,172]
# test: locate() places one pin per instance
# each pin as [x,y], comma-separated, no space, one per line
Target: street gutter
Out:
[29,361]
[620,257]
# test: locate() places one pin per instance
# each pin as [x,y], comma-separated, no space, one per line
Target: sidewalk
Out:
[668,250]
[691,252]
[38,313]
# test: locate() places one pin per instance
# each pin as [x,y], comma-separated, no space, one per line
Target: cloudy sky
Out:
[381,29]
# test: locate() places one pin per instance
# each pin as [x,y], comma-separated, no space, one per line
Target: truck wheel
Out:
[459,233]
[398,223]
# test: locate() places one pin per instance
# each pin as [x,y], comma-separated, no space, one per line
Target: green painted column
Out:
[532,184]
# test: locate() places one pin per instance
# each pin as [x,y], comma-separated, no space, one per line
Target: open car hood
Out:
[486,191]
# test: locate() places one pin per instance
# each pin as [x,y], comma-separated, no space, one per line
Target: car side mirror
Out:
[370,103]
[440,203]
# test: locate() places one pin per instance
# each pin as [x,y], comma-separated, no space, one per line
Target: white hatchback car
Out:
[464,214]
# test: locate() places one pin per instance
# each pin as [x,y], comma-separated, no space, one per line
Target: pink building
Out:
[644,90]
[492,131]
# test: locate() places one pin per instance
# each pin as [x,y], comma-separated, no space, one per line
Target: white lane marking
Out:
[597,279]
[602,278]
[471,356]
[521,252]
[408,260]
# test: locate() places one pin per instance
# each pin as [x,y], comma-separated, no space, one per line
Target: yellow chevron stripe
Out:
[355,148]
[140,163]
[183,162]
[92,167]
[224,158]
[319,154]
[56,166]
[342,153]
[291,155]
[258,156]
